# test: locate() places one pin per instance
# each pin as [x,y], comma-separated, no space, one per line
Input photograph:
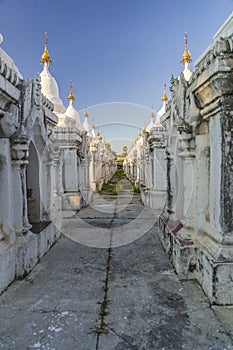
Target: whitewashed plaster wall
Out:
[196,223]
[193,153]
[26,118]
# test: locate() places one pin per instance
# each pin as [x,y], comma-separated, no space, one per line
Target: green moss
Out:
[118,184]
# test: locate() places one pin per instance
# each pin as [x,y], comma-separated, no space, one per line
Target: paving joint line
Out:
[103,327]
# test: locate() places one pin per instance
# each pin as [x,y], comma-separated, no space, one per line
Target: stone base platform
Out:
[152,199]
[19,258]
[71,201]
[157,199]
[145,197]
[193,260]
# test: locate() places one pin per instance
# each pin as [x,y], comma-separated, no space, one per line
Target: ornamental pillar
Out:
[186,148]
[170,190]
[146,182]
[56,180]
[156,141]
[20,153]
[71,196]
[92,170]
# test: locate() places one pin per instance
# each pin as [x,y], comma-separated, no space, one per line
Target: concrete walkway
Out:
[96,292]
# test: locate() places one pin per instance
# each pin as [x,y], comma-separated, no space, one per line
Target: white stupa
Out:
[72,115]
[93,130]
[162,109]
[186,59]
[49,85]
[86,124]
[93,135]
[152,123]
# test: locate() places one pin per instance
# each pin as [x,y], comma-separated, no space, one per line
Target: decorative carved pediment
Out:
[222,46]
[36,92]
[156,138]
[20,151]
[9,74]
[184,127]
[222,51]
[9,121]
[18,122]
[209,95]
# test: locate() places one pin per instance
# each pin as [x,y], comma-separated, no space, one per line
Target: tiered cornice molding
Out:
[9,74]
[222,50]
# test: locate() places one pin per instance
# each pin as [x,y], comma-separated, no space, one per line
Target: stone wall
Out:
[44,167]
[26,119]
[186,169]
[196,223]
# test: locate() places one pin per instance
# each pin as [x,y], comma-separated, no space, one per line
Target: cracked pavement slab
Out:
[114,298]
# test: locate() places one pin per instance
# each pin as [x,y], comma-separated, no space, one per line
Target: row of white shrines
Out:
[182,162]
[50,165]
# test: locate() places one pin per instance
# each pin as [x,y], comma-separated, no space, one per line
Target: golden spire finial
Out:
[164,97]
[85,113]
[186,57]
[45,58]
[152,112]
[71,96]
[93,125]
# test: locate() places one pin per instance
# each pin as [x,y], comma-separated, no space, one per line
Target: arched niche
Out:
[33,173]
[33,186]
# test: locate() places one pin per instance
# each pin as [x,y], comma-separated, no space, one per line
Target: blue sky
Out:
[113,50]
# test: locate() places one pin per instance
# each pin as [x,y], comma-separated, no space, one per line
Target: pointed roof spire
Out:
[45,58]
[93,129]
[85,123]
[186,57]
[152,112]
[71,96]
[164,97]
[86,115]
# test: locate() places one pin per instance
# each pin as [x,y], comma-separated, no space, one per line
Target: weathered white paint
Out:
[44,167]
[196,220]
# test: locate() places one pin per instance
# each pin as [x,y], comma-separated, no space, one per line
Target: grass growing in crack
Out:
[114,191]
[100,331]
[103,309]
[136,189]
[118,184]
[110,186]
[102,327]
